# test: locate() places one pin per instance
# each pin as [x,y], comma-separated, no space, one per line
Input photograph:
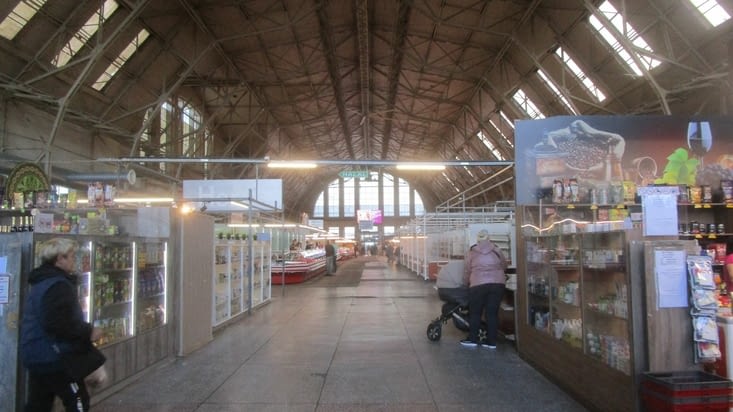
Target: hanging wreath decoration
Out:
[25,178]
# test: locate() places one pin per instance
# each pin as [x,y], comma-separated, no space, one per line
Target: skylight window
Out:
[556,91]
[712,11]
[117,64]
[527,105]
[489,145]
[506,118]
[580,75]
[19,17]
[85,33]
[451,183]
[506,139]
[625,29]
[466,168]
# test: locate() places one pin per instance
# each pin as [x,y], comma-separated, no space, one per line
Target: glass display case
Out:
[112,288]
[152,280]
[553,286]
[222,281]
[261,273]
[122,271]
[122,283]
[605,297]
[237,277]
[577,281]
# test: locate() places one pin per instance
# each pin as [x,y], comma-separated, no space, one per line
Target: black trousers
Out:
[484,300]
[43,388]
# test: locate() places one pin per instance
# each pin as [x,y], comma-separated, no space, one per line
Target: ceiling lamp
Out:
[420,166]
[282,164]
[143,200]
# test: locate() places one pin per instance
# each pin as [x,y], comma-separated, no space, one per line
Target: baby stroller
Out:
[455,295]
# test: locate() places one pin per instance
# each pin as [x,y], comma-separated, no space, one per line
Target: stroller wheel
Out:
[482,333]
[435,329]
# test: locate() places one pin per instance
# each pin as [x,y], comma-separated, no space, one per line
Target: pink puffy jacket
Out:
[485,263]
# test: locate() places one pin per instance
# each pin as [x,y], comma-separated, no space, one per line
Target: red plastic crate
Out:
[693,391]
[654,402]
[687,384]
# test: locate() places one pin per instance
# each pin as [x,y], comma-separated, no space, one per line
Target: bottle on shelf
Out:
[613,170]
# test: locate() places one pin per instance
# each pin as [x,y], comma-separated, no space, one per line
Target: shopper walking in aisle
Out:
[52,326]
[330,258]
[484,273]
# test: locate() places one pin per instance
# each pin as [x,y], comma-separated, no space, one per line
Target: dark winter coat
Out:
[52,316]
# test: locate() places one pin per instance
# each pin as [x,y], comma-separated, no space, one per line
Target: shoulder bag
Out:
[81,363]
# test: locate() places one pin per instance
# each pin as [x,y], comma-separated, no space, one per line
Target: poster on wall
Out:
[604,159]
[368,218]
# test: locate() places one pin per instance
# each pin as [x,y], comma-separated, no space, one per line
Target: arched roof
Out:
[380,80]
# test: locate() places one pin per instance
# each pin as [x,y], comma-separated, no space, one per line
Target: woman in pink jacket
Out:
[484,273]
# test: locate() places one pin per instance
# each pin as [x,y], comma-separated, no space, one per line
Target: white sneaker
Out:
[468,343]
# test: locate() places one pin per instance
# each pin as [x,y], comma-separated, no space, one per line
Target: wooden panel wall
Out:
[131,356]
[196,295]
[669,330]
[589,381]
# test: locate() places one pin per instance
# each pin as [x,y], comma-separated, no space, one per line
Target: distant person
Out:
[53,324]
[389,251]
[330,258]
[484,273]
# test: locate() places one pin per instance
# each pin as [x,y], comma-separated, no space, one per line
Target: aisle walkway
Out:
[351,342]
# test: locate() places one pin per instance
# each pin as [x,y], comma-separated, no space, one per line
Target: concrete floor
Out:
[351,342]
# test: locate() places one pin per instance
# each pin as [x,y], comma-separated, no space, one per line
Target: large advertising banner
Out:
[604,159]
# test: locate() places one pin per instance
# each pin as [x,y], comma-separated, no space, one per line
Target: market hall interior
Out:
[351,342]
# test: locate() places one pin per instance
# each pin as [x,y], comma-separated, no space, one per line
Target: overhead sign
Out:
[354,173]
[266,191]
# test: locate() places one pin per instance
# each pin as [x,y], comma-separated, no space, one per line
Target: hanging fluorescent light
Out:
[282,164]
[420,166]
[144,200]
[254,225]
[240,204]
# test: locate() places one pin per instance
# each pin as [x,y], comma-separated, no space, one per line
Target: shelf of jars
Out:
[577,281]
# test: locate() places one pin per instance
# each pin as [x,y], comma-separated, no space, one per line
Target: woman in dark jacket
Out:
[484,273]
[53,323]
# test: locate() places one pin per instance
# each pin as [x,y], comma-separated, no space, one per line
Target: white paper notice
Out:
[660,215]
[671,278]
[4,288]
[3,264]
